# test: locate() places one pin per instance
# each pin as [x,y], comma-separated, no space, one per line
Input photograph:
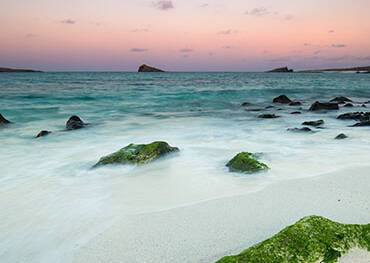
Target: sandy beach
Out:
[206,231]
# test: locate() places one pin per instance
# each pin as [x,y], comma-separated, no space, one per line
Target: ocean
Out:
[51,200]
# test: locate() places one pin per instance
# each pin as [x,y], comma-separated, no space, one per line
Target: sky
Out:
[184,35]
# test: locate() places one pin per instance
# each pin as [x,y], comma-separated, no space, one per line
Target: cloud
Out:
[163,5]
[227,32]
[258,11]
[139,30]
[31,35]
[288,17]
[331,31]
[227,47]
[186,50]
[338,45]
[317,52]
[204,5]
[68,21]
[135,49]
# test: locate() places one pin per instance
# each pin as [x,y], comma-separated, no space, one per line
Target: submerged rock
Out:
[75,123]
[138,153]
[246,104]
[295,103]
[268,116]
[341,100]
[323,106]
[311,239]
[304,129]
[313,123]
[348,105]
[358,116]
[245,162]
[362,124]
[146,68]
[3,120]
[341,136]
[43,133]
[296,112]
[282,99]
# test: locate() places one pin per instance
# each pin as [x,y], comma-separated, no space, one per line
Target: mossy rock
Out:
[138,154]
[245,162]
[311,239]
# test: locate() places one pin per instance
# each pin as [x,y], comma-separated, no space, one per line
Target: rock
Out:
[138,154]
[362,124]
[282,99]
[245,162]
[43,133]
[313,123]
[348,105]
[358,116]
[295,103]
[304,129]
[256,109]
[317,106]
[341,100]
[268,116]
[341,136]
[363,106]
[269,107]
[75,123]
[281,70]
[146,68]
[17,70]
[246,104]
[311,239]
[3,120]
[296,112]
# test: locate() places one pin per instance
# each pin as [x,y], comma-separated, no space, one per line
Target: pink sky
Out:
[184,35]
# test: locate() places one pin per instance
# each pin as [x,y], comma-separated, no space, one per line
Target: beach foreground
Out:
[207,231]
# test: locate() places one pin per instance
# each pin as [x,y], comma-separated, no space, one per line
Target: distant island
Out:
[353,69]
[15,70]
[281,70]
[146,68]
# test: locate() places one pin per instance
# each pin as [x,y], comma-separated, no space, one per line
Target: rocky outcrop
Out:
[283,99]
[311,239]
[281,70]
[341,100]
[304,129]
[268,116]
[362,124]
[295,103]
[245,162]
[3,120]
[296,112]
[146,68]
[14,70]
[313,123]
[43,133]
[138,154]
[358,116]
[348,105]
[75,123]
[341,136]
[317,106]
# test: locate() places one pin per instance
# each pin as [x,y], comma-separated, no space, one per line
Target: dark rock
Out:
[341,136]
[304,129]
[256,109]
[138,154]
[296,112]
[282,99]
[146,68]
[363,106]
[281,70]
[313,123]
[358,116]
[3,120]
[75,123]
[295,103]
[43,133]
[268,116]
[317,106]
[348,105]
[362,124]
[17,70]
[245,162]
[246,104]
[341,100]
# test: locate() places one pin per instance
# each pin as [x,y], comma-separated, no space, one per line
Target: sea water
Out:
[52,202]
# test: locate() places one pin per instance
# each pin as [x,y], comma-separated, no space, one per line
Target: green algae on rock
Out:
[311,239]
[245,162]
[138,154]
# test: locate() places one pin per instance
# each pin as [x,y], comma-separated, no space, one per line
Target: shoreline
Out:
[207,231]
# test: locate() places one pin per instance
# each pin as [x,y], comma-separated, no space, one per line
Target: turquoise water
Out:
[54,202]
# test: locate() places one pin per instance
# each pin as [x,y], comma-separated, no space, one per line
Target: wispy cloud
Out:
[227,32]
[140,30]
[227,47]
[163,5]
[331,31]
[135,49]
[68,21]
[204,5]
[258,11]
[338,45]
[186,50]
[289,17]
[31,35]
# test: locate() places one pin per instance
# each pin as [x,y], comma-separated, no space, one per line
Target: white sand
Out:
[206,231]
